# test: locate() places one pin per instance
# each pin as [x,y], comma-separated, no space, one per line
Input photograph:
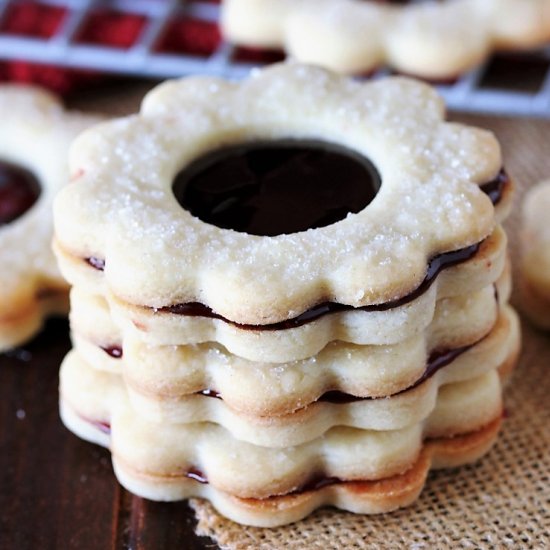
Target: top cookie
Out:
[432,39]
[123,216]
[35,134]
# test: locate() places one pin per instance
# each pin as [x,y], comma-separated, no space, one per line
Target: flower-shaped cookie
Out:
[35,134]
[437,40]
[123,222]
[535,264]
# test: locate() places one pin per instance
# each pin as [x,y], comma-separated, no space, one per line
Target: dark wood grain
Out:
[57,491]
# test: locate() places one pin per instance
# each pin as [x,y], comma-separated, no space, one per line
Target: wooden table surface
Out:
[57,491]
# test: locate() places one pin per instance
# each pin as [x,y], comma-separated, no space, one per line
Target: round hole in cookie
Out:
[277,187]
[19,190]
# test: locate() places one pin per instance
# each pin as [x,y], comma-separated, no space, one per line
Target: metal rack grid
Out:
[142,59]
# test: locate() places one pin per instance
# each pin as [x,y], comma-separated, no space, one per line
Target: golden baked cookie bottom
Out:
[367,497]
[360,497]
[248,470]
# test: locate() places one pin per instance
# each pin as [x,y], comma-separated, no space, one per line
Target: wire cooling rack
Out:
[516,84]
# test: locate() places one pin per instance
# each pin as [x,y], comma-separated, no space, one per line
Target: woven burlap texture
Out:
[503,501]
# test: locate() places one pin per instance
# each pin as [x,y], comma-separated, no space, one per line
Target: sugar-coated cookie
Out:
[35,135]
[123,223]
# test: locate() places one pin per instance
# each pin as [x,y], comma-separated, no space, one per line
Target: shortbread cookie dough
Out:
[431,39]
[35,134]
[535,262]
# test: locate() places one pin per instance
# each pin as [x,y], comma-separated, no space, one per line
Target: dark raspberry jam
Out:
[277,187]
[19,190]
[113,351]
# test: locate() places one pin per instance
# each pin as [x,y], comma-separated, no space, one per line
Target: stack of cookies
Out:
[434,39]
[288,292]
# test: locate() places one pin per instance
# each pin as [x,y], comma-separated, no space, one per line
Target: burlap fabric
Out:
[501,502]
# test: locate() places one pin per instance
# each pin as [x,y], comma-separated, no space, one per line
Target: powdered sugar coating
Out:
[157,254]
[35,133]
[429,39]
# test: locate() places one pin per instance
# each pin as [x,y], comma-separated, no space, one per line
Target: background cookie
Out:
[535,261]
[435,40]
[35,135]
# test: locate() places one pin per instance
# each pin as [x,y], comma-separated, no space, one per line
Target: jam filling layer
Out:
[277,187]
[315,483]
[494,189]
[19,190]
[437,360]
[113,351]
